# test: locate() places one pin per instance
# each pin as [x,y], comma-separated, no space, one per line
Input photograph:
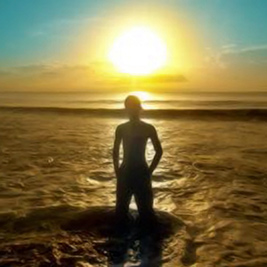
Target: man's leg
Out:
[144,198]
[123,198]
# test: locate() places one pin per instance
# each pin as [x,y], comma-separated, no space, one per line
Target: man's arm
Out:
[158,149]
[116,150]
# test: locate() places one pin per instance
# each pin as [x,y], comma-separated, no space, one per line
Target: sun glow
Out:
[138,51]
[143,96]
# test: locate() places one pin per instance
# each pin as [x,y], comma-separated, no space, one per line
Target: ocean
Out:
[181,100]
[57,184]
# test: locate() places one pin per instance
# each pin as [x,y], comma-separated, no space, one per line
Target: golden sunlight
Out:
[143,96]
[138,51]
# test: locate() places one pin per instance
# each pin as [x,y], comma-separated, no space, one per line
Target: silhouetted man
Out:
[134,174]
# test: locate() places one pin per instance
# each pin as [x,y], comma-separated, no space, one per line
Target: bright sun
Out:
[138,51]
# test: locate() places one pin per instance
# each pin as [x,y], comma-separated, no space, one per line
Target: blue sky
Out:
[37,31]
[23,22]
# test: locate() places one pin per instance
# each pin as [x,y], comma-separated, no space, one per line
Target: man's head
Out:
[133,106]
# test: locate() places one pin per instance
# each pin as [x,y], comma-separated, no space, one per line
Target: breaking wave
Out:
[241,113]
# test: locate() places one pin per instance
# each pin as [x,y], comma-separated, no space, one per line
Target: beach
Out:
[57,189]
[161,101]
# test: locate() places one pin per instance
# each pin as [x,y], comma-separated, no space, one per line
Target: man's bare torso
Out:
[134,139]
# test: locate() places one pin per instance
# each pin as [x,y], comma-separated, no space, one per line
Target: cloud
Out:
[61,25]
[151,79]
[250,49]
[47,77]
[71,77]
[44,69]
[246,57]
[165,78]
[4,73]
[231,56]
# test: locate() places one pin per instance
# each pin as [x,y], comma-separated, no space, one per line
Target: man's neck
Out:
[135,120]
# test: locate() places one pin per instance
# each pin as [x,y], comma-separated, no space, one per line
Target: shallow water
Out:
[212,180]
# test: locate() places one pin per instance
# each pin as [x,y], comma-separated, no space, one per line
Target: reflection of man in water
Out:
[134,174]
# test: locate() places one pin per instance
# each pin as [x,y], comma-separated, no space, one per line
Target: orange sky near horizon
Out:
[192,61]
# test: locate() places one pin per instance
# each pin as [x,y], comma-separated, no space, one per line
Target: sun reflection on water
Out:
[146,98]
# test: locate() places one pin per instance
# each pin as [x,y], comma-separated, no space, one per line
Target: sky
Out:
[62,45]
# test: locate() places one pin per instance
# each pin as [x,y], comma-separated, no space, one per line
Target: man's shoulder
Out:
[122,126]
[148,126]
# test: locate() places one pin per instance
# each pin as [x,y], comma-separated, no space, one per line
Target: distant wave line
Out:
[222,102]
[237,113]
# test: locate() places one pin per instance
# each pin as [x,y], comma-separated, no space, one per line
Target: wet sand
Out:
[57,192]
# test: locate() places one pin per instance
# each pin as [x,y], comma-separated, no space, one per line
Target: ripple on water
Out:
[168,242]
